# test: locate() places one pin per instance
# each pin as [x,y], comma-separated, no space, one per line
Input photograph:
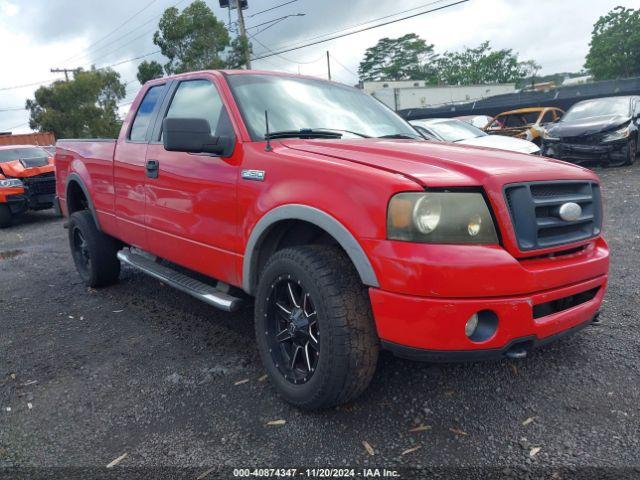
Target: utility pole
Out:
[328,66]
[65,71]
[243,33]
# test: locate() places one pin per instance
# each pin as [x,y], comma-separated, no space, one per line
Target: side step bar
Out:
[184,283]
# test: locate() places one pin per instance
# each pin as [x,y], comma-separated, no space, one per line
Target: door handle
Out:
[152,167]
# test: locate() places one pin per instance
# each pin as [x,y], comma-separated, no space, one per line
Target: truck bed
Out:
[95,157]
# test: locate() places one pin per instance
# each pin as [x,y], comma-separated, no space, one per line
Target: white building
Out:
[417,94]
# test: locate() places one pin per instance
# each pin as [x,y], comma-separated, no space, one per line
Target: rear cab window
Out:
[140,126]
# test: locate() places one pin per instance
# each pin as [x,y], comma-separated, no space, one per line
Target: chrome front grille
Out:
[535,212]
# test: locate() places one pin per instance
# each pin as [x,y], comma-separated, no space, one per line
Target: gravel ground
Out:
[88,375]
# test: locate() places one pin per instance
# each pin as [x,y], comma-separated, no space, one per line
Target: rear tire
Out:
[332,305]
[93,252]
[5,216]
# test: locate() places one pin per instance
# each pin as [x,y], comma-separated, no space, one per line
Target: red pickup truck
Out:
[351,232]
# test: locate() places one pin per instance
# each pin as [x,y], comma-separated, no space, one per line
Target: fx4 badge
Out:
[257,175]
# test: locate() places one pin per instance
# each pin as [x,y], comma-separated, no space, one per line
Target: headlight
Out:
[440,217]
[550,138]
[10,183]
[619,134]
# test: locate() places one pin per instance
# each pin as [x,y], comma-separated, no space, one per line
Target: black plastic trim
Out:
[74,177]
[527,344]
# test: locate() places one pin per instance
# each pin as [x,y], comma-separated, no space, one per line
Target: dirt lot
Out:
[86,376]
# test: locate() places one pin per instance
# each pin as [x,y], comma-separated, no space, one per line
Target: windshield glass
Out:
[455,130]
[598,108]
[12,154]
[299,103]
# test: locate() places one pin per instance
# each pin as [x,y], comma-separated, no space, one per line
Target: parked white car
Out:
[456,131]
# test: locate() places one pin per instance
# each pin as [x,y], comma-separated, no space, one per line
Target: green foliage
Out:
[240,48]
[192,39]
[86,106]
[615,45]
[482,65]
[405,58]
[149,71]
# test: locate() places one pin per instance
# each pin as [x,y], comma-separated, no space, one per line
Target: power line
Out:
[134,30]
[344,67]
[435,2]
[17,109]
[114,30]
[272,8]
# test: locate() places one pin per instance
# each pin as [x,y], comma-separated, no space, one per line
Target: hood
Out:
[503,143]
[587,126]
[443,165]
[26,168]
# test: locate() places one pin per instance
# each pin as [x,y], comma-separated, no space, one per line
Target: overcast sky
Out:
[36,35]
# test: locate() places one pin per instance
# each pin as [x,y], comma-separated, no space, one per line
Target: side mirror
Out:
[193,135]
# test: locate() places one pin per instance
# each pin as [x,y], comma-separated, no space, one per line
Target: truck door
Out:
[191,198]
[129,172]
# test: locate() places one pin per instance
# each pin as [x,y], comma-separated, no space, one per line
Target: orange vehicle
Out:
[27,181]
[526,123]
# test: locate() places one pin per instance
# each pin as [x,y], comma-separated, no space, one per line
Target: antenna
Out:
[267,135]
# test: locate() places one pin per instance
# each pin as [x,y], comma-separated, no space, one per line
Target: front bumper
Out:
[534,300]
[434,329]
[578,153]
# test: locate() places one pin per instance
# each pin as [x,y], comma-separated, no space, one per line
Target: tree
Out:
[482,65]
[615,45]
[405,58]
[149,71]
[86,106]
[191,40]
[236,55]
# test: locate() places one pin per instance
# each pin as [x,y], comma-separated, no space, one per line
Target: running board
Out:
[180,281]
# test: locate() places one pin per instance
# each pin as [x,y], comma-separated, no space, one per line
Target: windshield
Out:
[455,130]
[12,154]
[301,103]
[598,108]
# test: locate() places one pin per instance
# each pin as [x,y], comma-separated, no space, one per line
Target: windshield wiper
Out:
[401,136]
[312,133]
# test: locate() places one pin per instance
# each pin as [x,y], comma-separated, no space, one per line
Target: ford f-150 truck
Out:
[26,181]
[350,231]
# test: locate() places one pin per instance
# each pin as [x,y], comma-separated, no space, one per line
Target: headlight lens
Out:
[10,183]
[619,134]
[546,136]
[440,217]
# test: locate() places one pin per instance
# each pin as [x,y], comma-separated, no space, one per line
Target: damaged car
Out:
[603,130]
[27,181]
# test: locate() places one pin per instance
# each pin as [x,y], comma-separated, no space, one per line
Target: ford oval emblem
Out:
[570,212]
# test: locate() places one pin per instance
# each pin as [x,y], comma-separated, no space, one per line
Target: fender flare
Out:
[316,217]
[74,177]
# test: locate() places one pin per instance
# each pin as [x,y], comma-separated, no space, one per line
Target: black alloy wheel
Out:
[292,330]
[81,253]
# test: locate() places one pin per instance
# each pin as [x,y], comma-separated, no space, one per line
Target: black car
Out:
[604,130]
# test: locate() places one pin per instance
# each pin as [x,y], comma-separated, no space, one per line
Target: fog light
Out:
[471,325]
[481,326]
[474,225]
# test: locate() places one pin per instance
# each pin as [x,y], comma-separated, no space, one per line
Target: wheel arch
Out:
[78,198]
[285,214]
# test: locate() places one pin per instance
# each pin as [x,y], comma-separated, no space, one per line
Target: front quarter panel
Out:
[355,195]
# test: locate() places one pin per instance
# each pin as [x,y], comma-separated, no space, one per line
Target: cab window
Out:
[140,126]
[200,99]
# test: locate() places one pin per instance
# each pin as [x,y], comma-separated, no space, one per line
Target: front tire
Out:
[633,152]
[5,216]
[93,252]
[314,327]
